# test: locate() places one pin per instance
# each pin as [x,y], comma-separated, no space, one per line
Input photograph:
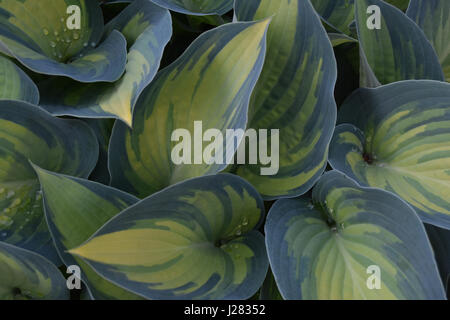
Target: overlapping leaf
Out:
[433,16]
[399,50]
[15,84]
[25,275]
[339,14]
[211,82]
[197,7]
[28,133]
[322,249]
[37,34]
[397,137]
[147,29]
[294,94]
[193,240]
[76,208]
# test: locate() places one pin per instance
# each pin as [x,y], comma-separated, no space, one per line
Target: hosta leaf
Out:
[36,34]
[401,4]
[147,29]
[197,7]
[211,82]
[294,94]
[397,51]
[339,38]
[322,249]
[75,208]
[28,133]
[193,240]
[440,240]
[26,275]
[397,137]
[339,14]
[15,84]
[433,16]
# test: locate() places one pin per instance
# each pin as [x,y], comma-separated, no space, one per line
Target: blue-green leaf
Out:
[26,275]
[212,83]
[194,240]
[91,206]
[15,84]
[397,138]
[147,29]
[197,7]
[294,95]
[37,35]
[433,16]
[328,247]
[399,50]
[29,133]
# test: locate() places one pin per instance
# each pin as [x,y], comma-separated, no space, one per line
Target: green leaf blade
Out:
[321,249]
[294,94]
[194,240]
[197,7]
[196,87]
[396,137]
[147,29]
[91,206]
[26,275]
[385,49]
[29,133]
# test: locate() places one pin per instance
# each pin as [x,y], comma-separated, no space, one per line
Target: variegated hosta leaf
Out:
[294,94]
[401,4]
[433,16]
[28,133]
[399,50]
[339,244]
[75,208]
[193,240]
[26,275]
[339,14]
[397,137]
[197,7]
[211,82]
[37,34]
[147,29]
[339,38]
[440,241]
[15,84]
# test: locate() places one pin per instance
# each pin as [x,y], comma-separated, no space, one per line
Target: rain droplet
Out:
[52,44]
[311,206]
[62,19]
[244,222]
[238,232]
[76,36]
[45,31]
[85,44]
[92,44]
[56,33]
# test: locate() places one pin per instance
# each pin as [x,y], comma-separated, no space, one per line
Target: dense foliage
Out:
[354,94]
